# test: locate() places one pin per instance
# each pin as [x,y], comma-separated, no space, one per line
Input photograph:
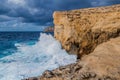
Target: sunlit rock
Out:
[80,31]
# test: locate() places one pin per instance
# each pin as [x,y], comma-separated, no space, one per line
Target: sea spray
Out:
[33,60]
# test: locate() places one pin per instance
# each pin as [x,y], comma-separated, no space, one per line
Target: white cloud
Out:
[99,3]
[17,2]
[5,18]
[33,10]
[16,25]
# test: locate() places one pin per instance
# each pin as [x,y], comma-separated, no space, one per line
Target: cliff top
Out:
[93,34]
[103,9]
[82,30]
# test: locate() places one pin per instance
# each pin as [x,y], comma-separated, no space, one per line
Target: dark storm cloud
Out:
[3,8]
[47,7]
[40,11]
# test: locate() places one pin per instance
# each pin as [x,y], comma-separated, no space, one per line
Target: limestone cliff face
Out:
[93,31]
[80,31]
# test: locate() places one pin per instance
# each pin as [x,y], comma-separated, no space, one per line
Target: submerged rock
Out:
[49,29]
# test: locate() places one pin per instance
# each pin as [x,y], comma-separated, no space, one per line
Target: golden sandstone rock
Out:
[105,59]
[94,35]
[102,64]
[80,31]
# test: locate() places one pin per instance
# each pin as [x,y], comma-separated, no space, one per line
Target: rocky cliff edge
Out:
[94,35]
[80,31]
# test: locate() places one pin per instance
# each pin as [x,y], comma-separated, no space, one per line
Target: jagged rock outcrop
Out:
[102,64]
[80,31]
[49,29]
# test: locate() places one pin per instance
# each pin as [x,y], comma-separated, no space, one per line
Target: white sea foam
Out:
[33,60]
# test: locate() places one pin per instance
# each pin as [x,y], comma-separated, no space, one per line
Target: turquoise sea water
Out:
[28,54]
[9,39]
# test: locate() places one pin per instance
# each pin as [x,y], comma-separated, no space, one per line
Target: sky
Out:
[35,15]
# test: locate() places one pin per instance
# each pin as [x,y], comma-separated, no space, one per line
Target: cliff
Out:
[102,64]
[94,35]
[80,31]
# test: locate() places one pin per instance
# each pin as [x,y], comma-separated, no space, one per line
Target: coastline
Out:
[98,49]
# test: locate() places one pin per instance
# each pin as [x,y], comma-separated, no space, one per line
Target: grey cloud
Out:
[40,11]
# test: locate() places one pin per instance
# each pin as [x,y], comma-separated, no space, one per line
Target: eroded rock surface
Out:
[102,64]
[80,31]
[95,32]
[105,60]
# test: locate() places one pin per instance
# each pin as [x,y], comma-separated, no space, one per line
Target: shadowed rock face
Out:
[80,31]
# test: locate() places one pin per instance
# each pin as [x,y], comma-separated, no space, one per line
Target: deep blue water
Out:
[8,40]
[29,54]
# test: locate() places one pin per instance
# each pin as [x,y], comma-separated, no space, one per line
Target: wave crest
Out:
[33,60]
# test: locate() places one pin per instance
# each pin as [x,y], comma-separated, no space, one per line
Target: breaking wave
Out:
[33,60]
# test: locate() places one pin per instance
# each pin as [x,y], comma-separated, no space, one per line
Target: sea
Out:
[29,54]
